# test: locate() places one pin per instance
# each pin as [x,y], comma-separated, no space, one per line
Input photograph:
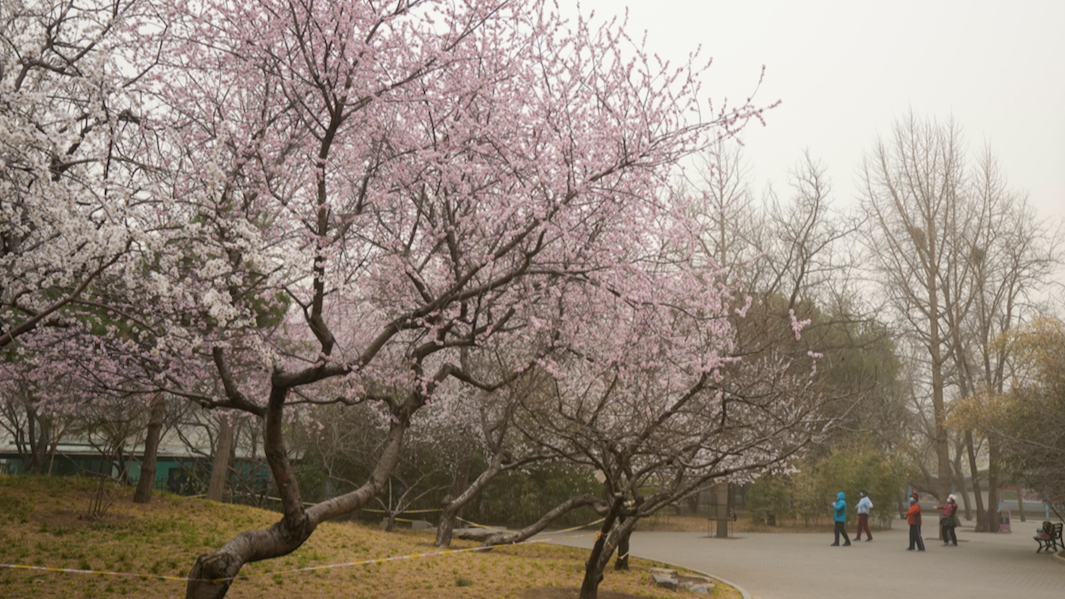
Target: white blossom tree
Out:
[71,154]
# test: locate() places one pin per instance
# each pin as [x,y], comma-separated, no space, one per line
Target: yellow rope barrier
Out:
[475,525]
[364,510]
[406,511]
[283,572]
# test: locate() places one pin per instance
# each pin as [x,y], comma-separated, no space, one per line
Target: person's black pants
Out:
[841,529]
[915,537]
[948,531]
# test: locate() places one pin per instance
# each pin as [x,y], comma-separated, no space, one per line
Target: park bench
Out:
[1052,541]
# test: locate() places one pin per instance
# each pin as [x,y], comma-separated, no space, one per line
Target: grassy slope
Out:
[40,526]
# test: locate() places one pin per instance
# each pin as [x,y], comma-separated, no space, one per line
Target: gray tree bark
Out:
[1020,504]
[146,484]
[993,482]
[220,464]
[506,538]
[451,511]
[603,549]
[214,572]
[622,562]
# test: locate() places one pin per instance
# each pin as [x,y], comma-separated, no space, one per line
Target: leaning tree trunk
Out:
[452,509]
[143,494]
[220,466]
[213,573]
[507,538]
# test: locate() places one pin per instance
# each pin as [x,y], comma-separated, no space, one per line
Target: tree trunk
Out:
[213,573]
[452,509]
[220,465]
[968,504]
[1020,503]
[981,517]
[693,504]
[122,462]
[593,573]
[622,562]
[721,492]
[943,469]
[506,538]
[39,437]
[445,529]
[596,565]
[143,494]
[992,485]
[959,482]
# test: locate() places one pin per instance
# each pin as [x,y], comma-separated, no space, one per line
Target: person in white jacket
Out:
[864,504]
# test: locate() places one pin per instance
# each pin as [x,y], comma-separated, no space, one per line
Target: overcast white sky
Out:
[846,70]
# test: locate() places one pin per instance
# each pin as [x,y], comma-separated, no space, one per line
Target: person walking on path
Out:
[864,504]
[840,518]
[947,521]
[913,518]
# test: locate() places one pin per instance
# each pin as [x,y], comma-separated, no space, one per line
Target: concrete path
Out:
[803,566]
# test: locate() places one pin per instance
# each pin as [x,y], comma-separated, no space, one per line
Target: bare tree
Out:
[35,434]
[792,255]
[1011,255]
[959,258]
[914,192]
[721,200]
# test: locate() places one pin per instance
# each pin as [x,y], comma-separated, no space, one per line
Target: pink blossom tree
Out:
[414,179]
[644,391]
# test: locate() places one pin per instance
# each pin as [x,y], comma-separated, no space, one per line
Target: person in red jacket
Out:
[913,518]
[947,521]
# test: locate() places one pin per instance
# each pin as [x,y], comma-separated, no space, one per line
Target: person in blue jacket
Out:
[841,519]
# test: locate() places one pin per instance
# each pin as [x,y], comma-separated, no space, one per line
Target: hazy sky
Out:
[846,70]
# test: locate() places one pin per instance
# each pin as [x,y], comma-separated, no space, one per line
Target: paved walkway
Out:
[803,566]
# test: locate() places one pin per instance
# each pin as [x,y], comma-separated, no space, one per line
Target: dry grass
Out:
[40,526]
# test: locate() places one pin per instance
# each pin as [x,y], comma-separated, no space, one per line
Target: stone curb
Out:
[1059,556]
[742,590]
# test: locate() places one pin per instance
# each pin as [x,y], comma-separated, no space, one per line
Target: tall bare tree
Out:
[1011,255]
[959,257]
[914,198]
